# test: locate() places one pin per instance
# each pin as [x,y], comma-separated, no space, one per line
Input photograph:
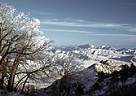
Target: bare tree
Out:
[23,51]
[65,64]
[19,42]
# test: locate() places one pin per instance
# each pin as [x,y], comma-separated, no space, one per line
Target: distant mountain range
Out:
[87,51]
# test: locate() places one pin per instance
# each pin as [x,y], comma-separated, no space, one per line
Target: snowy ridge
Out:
[95,80]
[107,68]
[91,52]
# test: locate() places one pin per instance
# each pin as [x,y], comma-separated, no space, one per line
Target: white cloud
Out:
[79,23]
[36,21]
[122,35]
[82,23]
[62,30]
[86,32]
[132,29]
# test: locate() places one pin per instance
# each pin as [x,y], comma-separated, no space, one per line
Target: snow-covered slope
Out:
[100,79]
[100,64]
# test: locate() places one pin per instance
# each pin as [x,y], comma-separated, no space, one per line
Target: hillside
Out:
[97,80]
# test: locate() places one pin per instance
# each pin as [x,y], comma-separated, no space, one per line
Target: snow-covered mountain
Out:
[100,79]
[90,52]
[106,72]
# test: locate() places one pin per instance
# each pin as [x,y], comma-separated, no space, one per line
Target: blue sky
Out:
[75,22]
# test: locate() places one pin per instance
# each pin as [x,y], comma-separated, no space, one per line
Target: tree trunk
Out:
[12,74]
[3,75]
[11,78]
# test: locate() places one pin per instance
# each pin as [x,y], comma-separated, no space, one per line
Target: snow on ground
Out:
[95,55]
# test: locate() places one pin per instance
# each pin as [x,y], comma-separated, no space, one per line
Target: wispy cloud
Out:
[82,23]
[75,23]
[87,32]
[62,30]
[121,35]
[132,29]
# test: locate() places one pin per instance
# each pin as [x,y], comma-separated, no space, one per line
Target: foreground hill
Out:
[103,79]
